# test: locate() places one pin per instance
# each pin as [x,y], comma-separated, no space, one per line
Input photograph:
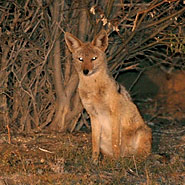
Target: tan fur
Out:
[118,130]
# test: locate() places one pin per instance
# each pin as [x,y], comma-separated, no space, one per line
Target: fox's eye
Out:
[94,58]
[80,58]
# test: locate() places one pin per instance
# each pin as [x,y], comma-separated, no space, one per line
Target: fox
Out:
[118,129]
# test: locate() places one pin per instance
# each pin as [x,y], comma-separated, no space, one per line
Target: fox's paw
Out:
[95,158]
[95,161]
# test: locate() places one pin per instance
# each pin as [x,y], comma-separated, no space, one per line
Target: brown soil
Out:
[56,158]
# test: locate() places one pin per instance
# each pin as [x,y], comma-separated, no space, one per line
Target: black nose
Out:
[85,71]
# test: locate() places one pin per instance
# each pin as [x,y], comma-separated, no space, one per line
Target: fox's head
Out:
[88,57]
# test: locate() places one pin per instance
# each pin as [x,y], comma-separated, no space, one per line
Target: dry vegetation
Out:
[56,158]
[38,82]
[38,89]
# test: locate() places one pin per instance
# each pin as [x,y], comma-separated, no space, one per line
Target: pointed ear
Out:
[101,40]
[72,42]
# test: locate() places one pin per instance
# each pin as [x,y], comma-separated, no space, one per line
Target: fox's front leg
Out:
[116,137]
[96,134]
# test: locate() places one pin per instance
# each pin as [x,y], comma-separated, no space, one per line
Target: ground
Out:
[58,158]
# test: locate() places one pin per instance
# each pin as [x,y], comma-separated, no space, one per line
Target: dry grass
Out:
[55,158]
